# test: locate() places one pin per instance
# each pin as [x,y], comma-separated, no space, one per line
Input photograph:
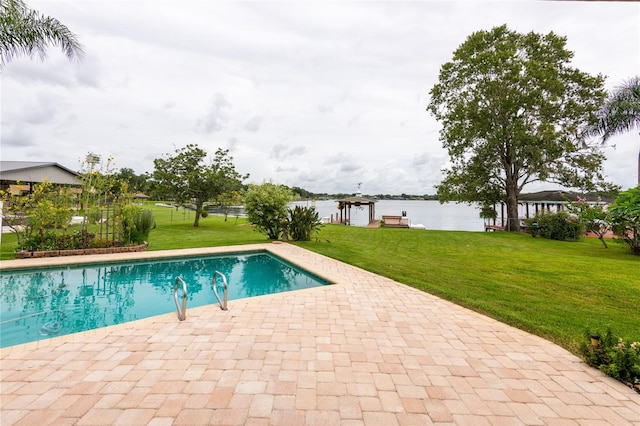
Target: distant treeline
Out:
[325,196]
[140,183]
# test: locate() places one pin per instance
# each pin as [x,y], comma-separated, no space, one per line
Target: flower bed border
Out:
[79,252]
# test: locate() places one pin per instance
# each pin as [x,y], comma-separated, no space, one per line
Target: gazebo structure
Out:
[344,206]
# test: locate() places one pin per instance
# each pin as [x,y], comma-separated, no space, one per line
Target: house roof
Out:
[37,171]
[556,196]
[353,200]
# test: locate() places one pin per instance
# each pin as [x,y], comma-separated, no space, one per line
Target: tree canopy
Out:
[27,32]
[188,179]
[513,111]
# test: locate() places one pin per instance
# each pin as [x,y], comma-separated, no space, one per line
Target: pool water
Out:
[42,303]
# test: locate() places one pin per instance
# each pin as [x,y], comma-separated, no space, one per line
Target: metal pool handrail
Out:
[182,310]
[225,286]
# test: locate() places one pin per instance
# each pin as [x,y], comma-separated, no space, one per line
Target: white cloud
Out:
[311,94]
[253,124]
[283,151]
[15,137]
[217,116]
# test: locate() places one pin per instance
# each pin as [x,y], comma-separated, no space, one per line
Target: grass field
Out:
[553,289]
[550,288]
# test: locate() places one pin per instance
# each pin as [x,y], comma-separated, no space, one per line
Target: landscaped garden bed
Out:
[24,254]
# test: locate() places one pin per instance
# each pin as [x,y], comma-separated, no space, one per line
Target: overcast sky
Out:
[321,95]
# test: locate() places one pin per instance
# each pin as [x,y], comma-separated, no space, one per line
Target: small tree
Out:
[188,179]
[226,200]
[594,217]
[101,184]
[105,197]
[266,208]
[45,209]
[625,217]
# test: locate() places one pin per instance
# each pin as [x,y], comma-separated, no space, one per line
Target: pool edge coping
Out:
[159,254]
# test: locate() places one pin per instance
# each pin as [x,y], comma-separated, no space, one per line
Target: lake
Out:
[431,214]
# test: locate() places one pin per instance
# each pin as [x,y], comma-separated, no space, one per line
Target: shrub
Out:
[145,221]
[136,237]
[100,243]
[126,223]
[53,241]
[558,226]
[41,241]
[303,222]
[614,357]
[135,224]
[625,217]
[83,239]
[266,208]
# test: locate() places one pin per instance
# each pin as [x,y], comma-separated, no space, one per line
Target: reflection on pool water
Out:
[47,302]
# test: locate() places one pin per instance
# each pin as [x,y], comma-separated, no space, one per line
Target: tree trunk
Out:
[638,167]
[196,221]
[513,221]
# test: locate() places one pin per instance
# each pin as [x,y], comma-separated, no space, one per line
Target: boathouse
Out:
[542,202]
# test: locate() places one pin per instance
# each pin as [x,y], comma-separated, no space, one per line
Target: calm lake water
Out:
[431,214]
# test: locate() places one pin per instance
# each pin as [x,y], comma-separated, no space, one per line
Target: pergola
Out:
[345,205]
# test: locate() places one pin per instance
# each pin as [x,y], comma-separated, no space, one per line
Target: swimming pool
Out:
[47,302]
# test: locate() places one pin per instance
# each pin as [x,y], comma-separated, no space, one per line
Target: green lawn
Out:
[550,288]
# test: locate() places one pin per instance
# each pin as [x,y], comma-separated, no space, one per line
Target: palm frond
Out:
[621,111]
[28,32]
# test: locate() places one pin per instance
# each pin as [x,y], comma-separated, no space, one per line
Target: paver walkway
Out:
[366,350]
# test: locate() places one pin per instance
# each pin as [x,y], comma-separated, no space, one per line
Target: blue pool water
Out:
[48,302]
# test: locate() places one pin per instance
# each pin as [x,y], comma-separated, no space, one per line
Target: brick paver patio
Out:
[364,351]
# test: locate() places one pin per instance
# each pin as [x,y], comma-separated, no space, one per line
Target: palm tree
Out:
[27,32]
[621,112]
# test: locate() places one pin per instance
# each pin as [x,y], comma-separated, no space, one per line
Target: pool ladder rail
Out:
[225,287]
[180,284]
[182,310]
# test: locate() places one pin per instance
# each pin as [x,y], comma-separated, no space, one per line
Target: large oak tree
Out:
[513,111]
[189,179]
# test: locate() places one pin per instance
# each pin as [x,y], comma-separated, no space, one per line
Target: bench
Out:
[395,221]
